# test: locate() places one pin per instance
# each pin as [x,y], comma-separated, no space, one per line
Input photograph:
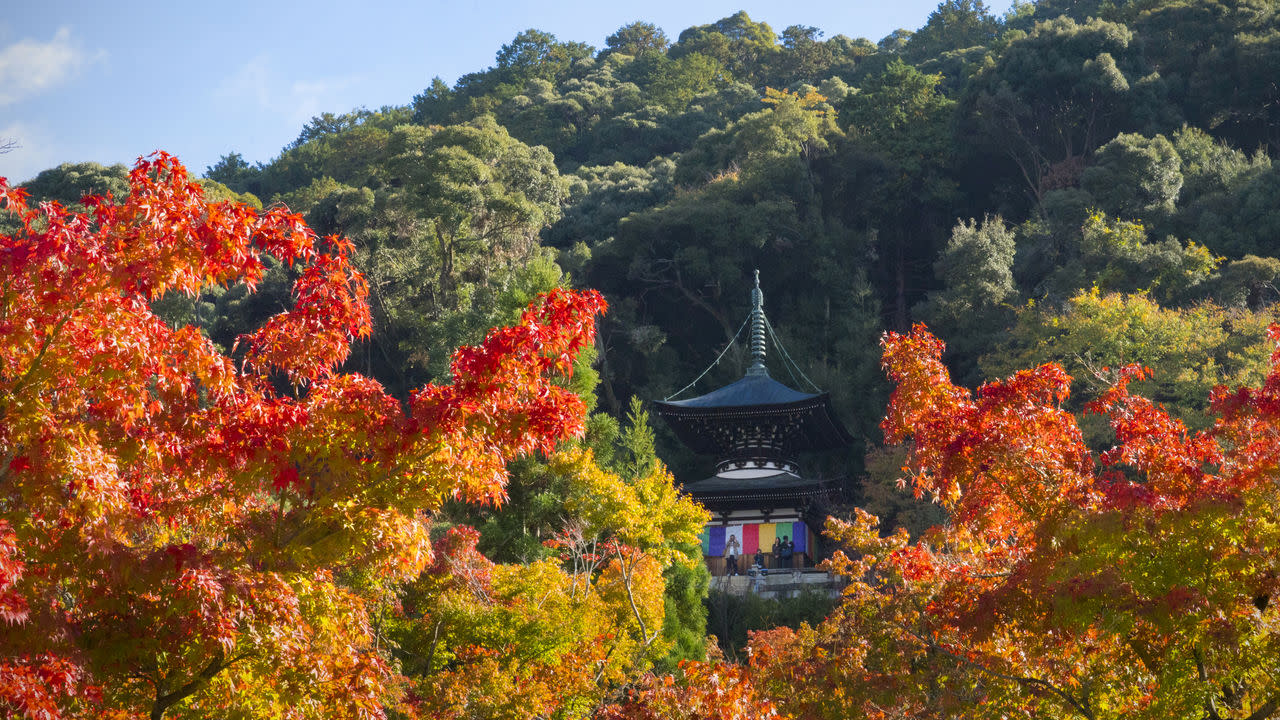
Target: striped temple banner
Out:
[779,529]
[768,533]
[757,536]
[736,532]
[716,547]
[799,537]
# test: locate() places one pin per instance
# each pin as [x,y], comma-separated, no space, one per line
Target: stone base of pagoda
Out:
[781,584]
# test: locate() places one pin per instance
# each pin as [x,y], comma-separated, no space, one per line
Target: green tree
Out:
[797,128]
[1228,202]
[742,46]
[954,25]
[975,302]
[215,190]
[674,83]
[849,53]
[1211,166]
[601,196]
[1191,350]
[1118,256]
[350,149]
[1251,282]
[432,106]
[1219,57]
[69,182]
[234,172]
[1135,177]
[895,175]
[478,192]
[894,42]
[537,54]
[637,38]
[446,225]
[327,124]
[1057,95]
[804,56]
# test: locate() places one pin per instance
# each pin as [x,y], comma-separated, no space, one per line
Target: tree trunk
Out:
[900,291]
[168,700]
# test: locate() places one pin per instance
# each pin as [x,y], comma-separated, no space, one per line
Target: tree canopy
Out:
[176,519]
[393,465]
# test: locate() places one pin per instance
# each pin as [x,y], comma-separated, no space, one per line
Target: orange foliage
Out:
[171,522]
[1140,584]
[698,691]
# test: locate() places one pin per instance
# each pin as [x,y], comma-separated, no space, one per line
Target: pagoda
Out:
[756,429]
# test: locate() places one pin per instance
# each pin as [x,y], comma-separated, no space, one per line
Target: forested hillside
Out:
[983,174]
[1075,181]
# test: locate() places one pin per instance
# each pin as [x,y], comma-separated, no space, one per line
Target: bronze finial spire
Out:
[757,331]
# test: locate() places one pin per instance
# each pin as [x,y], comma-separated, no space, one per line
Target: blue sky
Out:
[108,82]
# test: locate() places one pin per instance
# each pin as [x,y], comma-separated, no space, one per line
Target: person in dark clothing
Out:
[785,551]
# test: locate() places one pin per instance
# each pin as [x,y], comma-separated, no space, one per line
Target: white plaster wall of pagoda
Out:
[768,469]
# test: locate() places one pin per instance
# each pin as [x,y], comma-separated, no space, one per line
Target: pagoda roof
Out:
[794,421]
[707,427]
[754,390]
[783,489]
[781,481]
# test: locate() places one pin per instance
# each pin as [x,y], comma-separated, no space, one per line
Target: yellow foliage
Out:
[647,512]
[551,638]
[1190,349]
[535,640]
[811,100]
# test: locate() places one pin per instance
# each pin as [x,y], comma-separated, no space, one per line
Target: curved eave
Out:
[819,429]
[756,388]
[794,497]
[767,483]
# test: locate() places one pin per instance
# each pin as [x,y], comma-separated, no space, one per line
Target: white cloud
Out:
[249,83]
[30,66]
[256,83]
[307,99]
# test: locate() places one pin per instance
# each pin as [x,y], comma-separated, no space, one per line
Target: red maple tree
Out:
[1138,583]
[1134,583]
[174,519]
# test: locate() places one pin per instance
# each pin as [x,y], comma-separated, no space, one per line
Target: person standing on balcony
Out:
[732,548]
